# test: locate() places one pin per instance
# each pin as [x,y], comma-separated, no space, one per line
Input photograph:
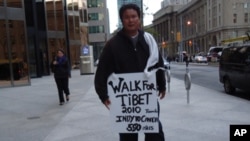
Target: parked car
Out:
[234,68]
[213,55]
[200,58]
[166,64]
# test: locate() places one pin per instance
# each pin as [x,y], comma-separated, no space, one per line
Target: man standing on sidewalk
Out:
[129,51]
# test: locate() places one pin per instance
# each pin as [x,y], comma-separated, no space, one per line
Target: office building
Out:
[165,3]
[32,31]
[98,22]
[200,24]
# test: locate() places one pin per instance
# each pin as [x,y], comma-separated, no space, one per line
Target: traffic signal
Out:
[178,37]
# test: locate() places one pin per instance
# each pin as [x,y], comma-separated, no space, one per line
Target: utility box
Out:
[86,60]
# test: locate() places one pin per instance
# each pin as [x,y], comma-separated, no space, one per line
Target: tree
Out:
[150,30]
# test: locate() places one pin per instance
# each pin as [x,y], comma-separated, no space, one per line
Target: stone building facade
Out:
[200,24]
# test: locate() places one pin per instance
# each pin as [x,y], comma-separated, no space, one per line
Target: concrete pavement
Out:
[32,113]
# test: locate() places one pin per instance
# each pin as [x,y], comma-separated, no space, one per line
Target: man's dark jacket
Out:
[61,70]
[120,56]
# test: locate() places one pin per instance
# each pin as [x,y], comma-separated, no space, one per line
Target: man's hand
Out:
[107,103]
[162,94]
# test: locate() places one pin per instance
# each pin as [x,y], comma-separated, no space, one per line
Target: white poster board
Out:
[133,106]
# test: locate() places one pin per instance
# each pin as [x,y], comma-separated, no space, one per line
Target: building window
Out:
[95,3]
[234,6]
[15,3]
[214,22]
[235,18]
[219,20]
[1,2]
[219,8]
[83,15]
[96,29]
[95,17]
[13,56]
[245,5]
[73,6]
[50,13]
[246,17]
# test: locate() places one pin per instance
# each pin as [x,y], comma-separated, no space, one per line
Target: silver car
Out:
[166,64]
[200,58]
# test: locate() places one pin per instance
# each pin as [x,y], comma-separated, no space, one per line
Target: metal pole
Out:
[162,51]
[181,46]
[196,40]
[187,81]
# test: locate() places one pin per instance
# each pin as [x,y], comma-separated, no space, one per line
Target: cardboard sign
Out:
[133,103]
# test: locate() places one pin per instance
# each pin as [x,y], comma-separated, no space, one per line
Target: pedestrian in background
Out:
[185,59]
[128,52]
[61,69]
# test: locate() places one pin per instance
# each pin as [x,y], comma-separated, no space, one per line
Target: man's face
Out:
[59,53]
[131,20]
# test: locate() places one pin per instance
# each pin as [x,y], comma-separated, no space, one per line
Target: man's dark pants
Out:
[62,86]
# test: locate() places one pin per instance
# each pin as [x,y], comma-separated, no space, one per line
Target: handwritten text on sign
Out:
[133,103]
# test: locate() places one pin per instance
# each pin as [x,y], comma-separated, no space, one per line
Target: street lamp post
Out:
[190,43]
[194,44]
[172,43]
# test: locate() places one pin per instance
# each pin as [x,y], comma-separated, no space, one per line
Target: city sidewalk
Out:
[32,113]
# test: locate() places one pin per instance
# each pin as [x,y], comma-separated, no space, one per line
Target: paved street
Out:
[32,113]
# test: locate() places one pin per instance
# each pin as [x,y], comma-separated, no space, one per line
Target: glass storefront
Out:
[5,76]
[14,67]
[14,3]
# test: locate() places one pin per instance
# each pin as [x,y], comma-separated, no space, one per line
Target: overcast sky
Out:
[153,6]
